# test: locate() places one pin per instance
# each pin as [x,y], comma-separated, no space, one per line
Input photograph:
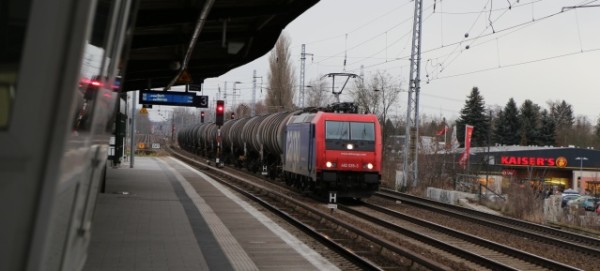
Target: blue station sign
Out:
[173,98]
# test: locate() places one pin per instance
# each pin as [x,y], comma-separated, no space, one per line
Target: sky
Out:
[526,49]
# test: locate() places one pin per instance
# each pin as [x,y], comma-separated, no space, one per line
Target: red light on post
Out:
[220,113]
[201,116]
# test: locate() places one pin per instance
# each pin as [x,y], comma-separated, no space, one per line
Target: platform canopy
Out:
[234,32]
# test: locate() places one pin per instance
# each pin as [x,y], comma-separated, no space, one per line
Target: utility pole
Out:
[234,94]
[412,110]
[132,145]
[254,93]
[303,55]
[253,112]
[225,92]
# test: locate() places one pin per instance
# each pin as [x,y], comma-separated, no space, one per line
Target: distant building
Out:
[558,168]
[427,144]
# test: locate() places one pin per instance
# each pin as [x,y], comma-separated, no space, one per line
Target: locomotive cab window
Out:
[339,133]
[337,130]
[362,131]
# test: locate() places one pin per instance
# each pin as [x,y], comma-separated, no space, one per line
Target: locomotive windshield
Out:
[362,131]
[338,134]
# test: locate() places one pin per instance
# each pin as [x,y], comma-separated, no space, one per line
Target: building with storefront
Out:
[556,168]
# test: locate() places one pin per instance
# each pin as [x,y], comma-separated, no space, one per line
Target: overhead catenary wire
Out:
[409,32]
[473,40]
[373,37]
[374,19]
[387,46]
[520,63]
[497,9]
[515,27]
[370,39]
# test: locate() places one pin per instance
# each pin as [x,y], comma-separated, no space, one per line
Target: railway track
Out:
[578,243]
[365,250]
[373,250]
[472,248]
[580,254]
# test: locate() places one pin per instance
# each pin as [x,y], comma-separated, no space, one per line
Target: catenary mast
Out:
[412,110]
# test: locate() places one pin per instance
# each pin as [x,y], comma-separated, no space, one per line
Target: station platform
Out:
[165,215]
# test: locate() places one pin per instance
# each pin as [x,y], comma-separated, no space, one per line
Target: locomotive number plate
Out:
[349,165]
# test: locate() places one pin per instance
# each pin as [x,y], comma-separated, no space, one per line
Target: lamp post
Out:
[575,184]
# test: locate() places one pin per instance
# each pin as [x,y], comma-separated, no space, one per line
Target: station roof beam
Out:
[234,33]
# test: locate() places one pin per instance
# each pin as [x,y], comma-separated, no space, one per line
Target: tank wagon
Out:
[314,150]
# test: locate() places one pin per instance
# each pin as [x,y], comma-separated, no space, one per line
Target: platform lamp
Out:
[575,183]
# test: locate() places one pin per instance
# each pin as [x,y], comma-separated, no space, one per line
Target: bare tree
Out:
[317,93]
[261,108]
[280,93]
[366,99]
[242,111]
[384,84]
[376,94]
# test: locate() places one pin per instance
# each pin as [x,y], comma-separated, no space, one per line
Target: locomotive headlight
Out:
[349,146]
[328,164]
[370,166]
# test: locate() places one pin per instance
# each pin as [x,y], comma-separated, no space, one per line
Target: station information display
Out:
[173,98]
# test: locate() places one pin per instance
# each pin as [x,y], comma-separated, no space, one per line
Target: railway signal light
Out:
[220,113]
[232,115]
[201,116]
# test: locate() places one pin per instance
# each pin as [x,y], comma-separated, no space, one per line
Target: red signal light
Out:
[219,119]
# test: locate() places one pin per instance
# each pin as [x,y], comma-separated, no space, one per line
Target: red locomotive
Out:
[321,151]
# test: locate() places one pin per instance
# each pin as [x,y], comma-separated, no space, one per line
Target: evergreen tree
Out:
[582,131]
[562,113]
[597,130]
[473,114]
[507,126]
[530,123]
[564,119]
[547,134]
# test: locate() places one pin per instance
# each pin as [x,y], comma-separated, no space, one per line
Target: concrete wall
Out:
[448,196]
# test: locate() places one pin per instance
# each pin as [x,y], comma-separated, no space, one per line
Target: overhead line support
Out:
[411,149]
[303,55]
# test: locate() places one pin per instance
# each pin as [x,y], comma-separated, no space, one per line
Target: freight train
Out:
[325,150]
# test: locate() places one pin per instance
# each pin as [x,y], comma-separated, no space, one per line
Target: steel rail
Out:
[220,174]
[576,242]
[483,260]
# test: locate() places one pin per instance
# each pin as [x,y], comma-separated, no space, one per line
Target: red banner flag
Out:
[442,131]
[464,158]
